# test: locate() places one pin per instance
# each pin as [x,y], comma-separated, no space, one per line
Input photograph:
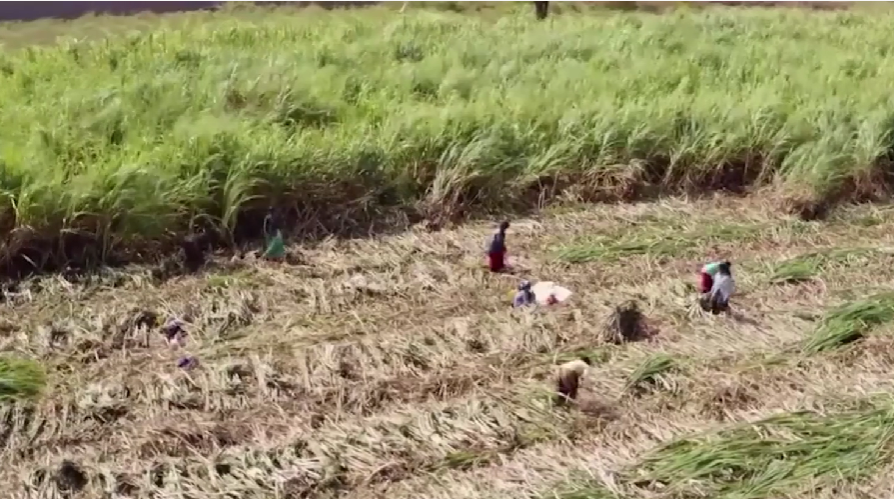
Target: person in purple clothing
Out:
[524,296]
[173,331]
[188,362]
[496,253]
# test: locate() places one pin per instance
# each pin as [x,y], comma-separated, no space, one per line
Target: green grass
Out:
[20,379]
[850,322]
[137,135]
[585,489]
[774,457]
[810,265]
[651,373]
[667,239]
[612,250]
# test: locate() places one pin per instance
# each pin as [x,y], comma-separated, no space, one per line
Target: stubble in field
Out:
[394,367]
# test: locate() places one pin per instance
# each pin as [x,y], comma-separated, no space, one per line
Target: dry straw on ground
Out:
[309,387]
[368,368]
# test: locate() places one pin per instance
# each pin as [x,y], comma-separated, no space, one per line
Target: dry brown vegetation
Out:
[393,367]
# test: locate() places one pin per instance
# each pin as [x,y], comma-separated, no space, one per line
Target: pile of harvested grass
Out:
[70,477]
[773,457]
[627,323]
[20,379]
[810,265]
[796,270]
[650,374]
[850,322]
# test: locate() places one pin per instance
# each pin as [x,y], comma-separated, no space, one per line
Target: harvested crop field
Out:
[391,365]
[416,379]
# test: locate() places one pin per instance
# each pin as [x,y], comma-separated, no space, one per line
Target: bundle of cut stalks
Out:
[20,378]
[626,323]
[850,322]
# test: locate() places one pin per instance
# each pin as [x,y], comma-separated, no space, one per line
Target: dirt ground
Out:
[394,367]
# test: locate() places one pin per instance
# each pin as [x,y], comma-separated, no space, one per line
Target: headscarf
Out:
[714,267]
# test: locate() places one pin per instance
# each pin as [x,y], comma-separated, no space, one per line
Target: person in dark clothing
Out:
[723,287]
[188,362]
[496,253]
[173,331]
[541,9]
[271,224]
[275,245]
[194,247]
[524,296]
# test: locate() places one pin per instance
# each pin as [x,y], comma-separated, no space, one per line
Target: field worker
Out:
[496,253]
[194,247]
[706,281]
[276,247]
[524,296]
[173,331]
[569,377]
[722,288]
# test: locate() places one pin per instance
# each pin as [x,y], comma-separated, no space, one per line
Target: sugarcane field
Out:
[447,250]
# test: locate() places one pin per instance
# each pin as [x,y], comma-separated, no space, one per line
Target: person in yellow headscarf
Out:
[569,377]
